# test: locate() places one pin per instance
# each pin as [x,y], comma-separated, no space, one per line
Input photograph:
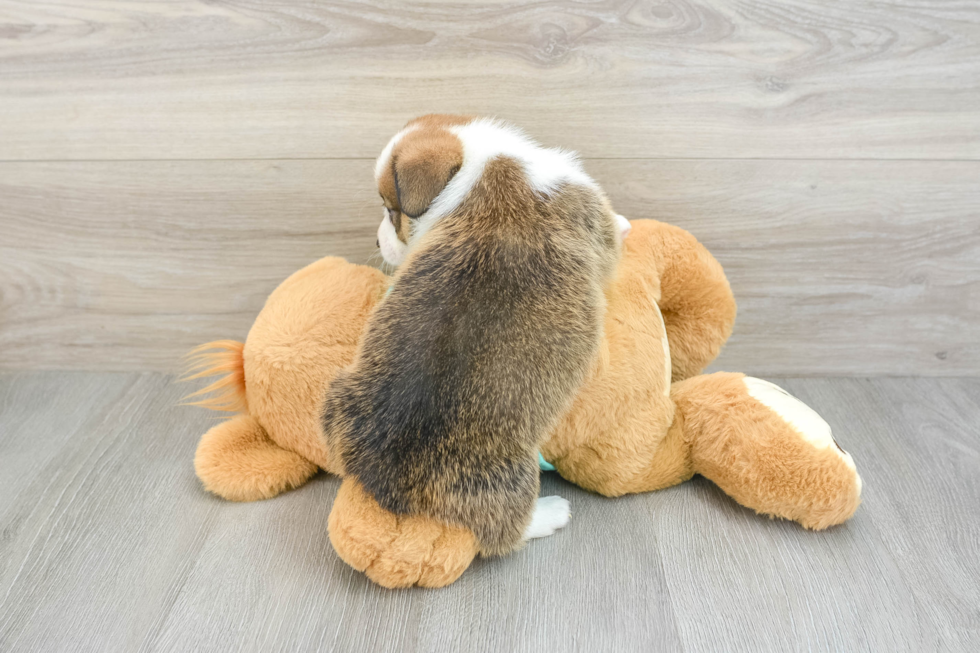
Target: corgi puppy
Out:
[493,319]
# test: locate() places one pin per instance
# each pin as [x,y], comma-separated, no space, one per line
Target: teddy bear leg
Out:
[767,449]
[396,551]
[237,461]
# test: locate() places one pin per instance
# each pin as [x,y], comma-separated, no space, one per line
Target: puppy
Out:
[492,321]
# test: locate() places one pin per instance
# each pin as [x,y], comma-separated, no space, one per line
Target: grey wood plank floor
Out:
[107,542]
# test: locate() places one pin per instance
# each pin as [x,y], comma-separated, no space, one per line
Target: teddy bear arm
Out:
[238,461]
[696,301]
[766,449]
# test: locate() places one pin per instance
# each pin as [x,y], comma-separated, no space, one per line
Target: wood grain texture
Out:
[611,78]
[839,268]
[853,268]
[107,542]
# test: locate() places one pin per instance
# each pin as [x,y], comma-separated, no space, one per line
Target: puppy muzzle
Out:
[392,248]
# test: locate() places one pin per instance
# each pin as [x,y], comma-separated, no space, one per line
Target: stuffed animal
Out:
[644,418]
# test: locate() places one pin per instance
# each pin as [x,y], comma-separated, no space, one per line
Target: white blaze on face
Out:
[392,249]
[383,160]
[800,417]
[485,139]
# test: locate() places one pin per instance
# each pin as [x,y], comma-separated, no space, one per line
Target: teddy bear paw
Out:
[397,551]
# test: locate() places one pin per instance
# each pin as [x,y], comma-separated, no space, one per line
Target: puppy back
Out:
[489,329]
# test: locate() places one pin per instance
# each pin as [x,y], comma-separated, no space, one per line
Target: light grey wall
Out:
[161,171]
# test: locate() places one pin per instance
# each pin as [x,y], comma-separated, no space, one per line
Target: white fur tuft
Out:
[624,226]
[486,139]
[385,156]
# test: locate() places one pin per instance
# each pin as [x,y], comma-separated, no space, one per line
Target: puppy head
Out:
[412,170]
[428,168]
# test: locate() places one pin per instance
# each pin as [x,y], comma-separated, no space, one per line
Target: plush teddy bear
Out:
[643,420]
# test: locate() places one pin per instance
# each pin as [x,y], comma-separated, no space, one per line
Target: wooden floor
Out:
[108,543]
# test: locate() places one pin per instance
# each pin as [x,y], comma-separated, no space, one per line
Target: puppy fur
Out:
[491,325]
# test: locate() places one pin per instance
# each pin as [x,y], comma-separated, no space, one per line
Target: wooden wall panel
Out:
[164,164]
[856,268]
[102,79]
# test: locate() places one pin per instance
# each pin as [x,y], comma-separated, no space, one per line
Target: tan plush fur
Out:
[757,459]
[239,461]
[224,357]
[628,429]
[397,551]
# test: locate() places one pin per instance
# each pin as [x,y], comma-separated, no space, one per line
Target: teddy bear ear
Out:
[422,169]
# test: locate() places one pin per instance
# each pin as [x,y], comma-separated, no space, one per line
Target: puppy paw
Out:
[550,514]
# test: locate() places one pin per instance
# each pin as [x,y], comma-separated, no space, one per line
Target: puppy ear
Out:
[423,170]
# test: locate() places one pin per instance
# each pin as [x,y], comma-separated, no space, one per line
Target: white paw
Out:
[550,514]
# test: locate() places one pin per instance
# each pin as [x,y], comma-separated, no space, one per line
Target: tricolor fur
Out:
[492,323]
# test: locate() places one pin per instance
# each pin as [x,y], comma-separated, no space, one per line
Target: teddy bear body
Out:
[644,418]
